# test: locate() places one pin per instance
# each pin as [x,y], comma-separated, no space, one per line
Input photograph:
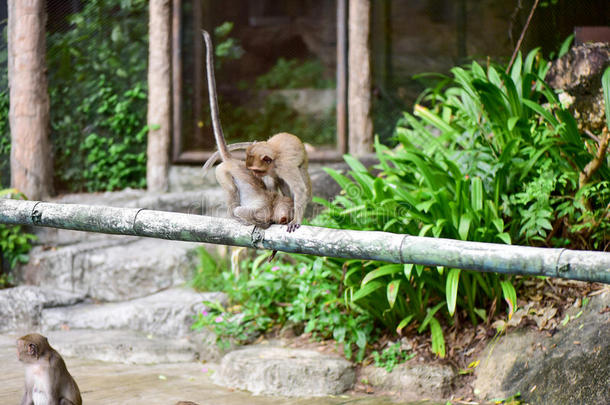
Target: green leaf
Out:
[476,193]
[510,295]
[451,291]
[386,270]
[438,340]
[355,164]
[404,323]
[565,46]
[367,290]
[512,121]
[392,293]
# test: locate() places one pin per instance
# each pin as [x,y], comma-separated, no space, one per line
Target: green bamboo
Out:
[365,245]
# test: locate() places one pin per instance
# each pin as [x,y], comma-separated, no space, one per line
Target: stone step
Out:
[130,347]
[115,268]
[167,313]
[21,307]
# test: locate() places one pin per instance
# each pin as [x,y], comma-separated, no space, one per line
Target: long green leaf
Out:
[367,290]
[451,291]
[510,295]
[386,270]
[392,292]
[438,340]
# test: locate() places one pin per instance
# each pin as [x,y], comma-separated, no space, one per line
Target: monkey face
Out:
[259,159]
[31,347]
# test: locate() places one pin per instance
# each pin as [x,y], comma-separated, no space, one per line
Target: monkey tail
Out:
[218,134]
[214,157]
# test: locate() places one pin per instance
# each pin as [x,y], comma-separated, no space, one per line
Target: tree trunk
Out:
[31,161]
[359,86]
[159,96]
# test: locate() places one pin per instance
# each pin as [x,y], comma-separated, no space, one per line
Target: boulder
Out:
[579,74]
[287,372]
[570,367]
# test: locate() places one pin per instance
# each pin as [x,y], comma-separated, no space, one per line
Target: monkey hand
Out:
[292,226]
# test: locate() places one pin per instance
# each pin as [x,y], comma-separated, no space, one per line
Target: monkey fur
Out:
[283,158]
[248,199]
[47,380]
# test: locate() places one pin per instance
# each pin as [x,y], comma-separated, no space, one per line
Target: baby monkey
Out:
[47,380]
[248,198]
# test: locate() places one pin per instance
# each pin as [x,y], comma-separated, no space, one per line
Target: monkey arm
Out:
[27,397]
[225,179]
[300,188]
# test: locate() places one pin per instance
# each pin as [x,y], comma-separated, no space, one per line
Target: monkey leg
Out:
[300,188]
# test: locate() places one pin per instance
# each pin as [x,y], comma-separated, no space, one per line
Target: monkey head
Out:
[259,159]
[31,347]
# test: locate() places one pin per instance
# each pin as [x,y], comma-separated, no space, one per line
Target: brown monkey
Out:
[47,380]
[283,158]
[248,199]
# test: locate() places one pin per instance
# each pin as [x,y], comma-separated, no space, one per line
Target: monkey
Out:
[283,158]
[47,380]
[248,199]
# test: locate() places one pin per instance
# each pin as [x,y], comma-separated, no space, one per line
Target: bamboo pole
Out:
[365,245]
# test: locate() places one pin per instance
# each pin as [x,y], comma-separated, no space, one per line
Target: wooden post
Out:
[342,76]
[176,79]
[359,85]
[159,96]
[31,163]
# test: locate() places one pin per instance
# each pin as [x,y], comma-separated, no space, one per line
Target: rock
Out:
[287,372]
[579,73]
[168,313]
[412,381]
[122,347]
[21,307]
[108,271]
[573,366]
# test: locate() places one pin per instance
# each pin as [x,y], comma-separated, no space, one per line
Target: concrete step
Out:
[115,268]
[167,313]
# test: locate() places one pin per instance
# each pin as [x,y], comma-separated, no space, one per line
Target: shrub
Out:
[267,295]
[15,243]
[97,86]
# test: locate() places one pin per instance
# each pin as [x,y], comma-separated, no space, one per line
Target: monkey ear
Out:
[33,350]
[267,159]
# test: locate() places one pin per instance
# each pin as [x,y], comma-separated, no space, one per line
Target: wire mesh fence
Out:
[275,65]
